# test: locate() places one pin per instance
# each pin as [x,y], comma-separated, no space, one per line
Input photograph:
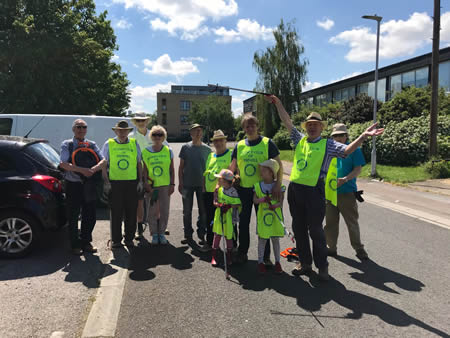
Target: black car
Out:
[31,198]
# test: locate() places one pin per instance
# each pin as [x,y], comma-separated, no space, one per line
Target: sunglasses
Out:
[81,127]
[157,135]
[140,121]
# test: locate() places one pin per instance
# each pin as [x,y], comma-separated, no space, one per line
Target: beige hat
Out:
[339,129]
[226,174]
[122,124]
[218,134]
[271,164]
[196,125]
[314,117]
[140,117]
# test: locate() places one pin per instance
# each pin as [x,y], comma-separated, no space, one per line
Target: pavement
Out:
[172,291]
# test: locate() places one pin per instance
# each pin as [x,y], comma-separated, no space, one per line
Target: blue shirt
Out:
[65,157]
[345,167]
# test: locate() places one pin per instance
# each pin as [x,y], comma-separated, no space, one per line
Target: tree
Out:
[282,72]
[357,109]
[213,113]
[55,58]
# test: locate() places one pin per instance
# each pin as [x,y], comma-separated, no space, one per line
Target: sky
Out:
[196,42]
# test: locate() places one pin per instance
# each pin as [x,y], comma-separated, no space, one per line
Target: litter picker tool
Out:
[224,240]
[286,231]
[214,88]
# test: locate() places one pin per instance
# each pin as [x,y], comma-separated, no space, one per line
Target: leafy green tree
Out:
[357,109]
[213,113]
[55,58]
[282,72]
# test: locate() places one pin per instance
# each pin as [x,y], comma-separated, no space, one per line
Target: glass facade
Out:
[185,105]
[422,77]
[444,75]
[396,84]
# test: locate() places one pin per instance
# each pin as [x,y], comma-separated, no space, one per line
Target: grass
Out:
[388,173]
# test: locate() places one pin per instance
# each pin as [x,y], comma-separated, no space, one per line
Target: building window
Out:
[164,118]
[164,104]
[444,75]
[396,84]
[185,105]
[363,88]
[408,79]
[422,77]
[184,119]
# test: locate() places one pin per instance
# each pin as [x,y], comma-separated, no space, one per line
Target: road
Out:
[173,291]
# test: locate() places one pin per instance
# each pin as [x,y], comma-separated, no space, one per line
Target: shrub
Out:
[240,135]
[438,168]
[358,109]
[282,139]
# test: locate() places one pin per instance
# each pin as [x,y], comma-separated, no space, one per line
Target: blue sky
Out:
[195,42]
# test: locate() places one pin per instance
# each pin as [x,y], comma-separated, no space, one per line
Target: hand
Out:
[225,207]
[86,172]
[217,204]
[273,206]
[271,99]
[106,186]
[341,181]
[140,187]
[373,131]
[276,192]
[266,199]
[171,189]
[180,188]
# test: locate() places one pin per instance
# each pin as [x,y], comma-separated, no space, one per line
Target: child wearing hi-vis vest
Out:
[228,204]
[269,215]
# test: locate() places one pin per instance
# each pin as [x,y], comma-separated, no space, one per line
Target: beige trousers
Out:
[159,208]
[346,205]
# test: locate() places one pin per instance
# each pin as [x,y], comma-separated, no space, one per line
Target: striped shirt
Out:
[333,149]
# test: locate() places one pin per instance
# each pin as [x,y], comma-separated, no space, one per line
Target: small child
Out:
[269,215]
[227,203]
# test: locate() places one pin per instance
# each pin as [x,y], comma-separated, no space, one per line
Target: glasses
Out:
[157,135]
[140,121]
[81,127]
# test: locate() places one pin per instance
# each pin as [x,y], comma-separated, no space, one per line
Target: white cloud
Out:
[123,24]
[115,58]
[311,85]
[397,38]
[142,98]
[326,23]
[135,65]
[246,29]
[183,18]
[237,104]
[194,58]
[165,66]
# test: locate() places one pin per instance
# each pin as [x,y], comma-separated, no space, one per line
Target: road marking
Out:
[102,319]
[57,334]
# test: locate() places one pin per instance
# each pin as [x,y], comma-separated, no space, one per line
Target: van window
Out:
[5,126]
[43,153]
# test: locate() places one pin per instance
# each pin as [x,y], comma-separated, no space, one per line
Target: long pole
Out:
[435,78]
[373,170]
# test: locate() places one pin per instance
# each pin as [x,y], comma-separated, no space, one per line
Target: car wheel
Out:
[18,234]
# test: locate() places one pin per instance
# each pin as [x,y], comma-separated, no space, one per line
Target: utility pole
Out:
[435,78]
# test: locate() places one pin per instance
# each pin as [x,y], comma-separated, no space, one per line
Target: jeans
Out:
[188,201]
[307,207]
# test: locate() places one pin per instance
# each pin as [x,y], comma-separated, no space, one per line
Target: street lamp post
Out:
[378,19]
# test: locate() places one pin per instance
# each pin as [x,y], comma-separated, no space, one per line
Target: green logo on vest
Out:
[250,170]
[123,164]
[211,176]
[333,184]
[301,164]
[268,219]
[157,171]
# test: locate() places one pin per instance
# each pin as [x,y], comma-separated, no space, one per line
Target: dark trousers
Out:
[307,207]
[246,197]
[123,205]
[80,197]
[208,198]
[188,202]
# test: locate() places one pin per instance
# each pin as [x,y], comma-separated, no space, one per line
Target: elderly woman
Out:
[159,183]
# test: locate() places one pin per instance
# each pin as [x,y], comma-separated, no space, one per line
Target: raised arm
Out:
[282,113]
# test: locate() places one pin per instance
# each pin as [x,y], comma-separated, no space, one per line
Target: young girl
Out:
[269,215]
[227,203]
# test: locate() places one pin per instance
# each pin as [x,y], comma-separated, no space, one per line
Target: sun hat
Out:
[339,129]
[122,124]
[140,117]
[218,134]
[314,117]
[272,165]
[226,174]
[196,125]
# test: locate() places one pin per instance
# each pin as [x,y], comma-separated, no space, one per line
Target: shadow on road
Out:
[377,276]
[311,294]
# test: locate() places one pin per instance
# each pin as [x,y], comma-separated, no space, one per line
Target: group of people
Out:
[138,168]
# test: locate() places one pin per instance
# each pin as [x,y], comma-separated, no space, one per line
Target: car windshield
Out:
[44,153]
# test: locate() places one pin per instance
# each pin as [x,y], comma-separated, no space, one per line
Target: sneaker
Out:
[362,254]
[323,274]
[186,240]
[155,239]
[162,240]
[205,248]
[278,268]
[201,240]
[76,251]
[261,268]
[301,270]
[241,258]
[268,263]
[331,253]
[90,248]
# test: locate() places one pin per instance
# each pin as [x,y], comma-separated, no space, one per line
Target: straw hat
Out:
[272,165]
[218,134]
[196,125]
[226,174]
[123,124]
[314,117]
[139,117]
[339,129]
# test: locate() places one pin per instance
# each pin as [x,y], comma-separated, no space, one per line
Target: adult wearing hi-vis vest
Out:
[217,160]
[123,176]
[306,192]
[246,156]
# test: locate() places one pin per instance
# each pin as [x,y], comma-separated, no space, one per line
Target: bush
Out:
[358,109]
[438,168]
[282,139]
[240,135]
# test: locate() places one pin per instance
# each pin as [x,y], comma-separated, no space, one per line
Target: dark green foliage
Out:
[330,113]
[282,72]
[213,113]
[282,139]
[438,168]
[240,135]
[55,58]
[357,109]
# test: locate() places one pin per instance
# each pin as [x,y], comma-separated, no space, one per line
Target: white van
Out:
[57,128]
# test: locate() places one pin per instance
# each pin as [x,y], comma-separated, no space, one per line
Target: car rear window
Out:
[5,126]
[43,153]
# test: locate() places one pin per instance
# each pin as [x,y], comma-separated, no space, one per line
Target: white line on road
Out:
[102,320]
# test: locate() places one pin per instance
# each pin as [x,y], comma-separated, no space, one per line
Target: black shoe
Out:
[331,253]
[362,254]
[186,240]
[301,270]
[323,274]
[241,258]
[201,240]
